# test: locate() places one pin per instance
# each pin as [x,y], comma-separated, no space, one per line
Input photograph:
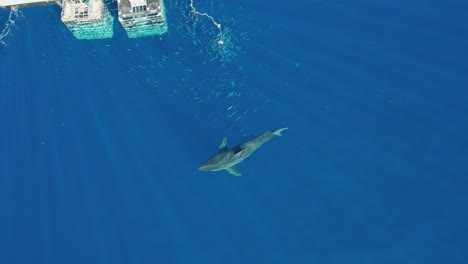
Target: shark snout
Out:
[204,167]
[209,166]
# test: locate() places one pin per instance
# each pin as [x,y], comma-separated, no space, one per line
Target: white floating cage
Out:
[87,19]
[142,18]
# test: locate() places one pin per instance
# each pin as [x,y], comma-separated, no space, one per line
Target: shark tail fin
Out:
[278,131]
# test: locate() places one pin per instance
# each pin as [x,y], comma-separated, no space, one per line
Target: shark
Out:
[227,158]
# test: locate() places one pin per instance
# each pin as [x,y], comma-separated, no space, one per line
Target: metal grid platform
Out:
[142,18]
[88,19]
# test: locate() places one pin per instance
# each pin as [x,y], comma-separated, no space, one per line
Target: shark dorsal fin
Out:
[232,170]
[223,145]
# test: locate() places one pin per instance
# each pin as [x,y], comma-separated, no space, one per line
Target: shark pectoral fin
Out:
[223,145]
[232,170]
[278,131]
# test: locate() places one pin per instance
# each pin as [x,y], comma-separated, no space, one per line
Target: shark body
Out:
[227,158]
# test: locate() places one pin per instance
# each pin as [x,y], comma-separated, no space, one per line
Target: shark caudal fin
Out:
[278,131]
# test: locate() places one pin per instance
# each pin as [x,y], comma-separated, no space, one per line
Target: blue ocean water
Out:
[100,140]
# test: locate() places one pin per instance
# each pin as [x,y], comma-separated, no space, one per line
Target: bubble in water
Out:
[6,31]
